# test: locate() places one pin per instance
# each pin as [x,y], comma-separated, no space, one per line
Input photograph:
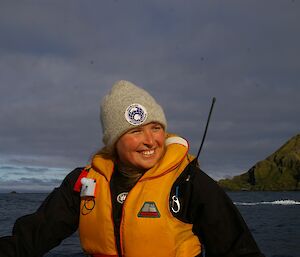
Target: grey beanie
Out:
[125,107]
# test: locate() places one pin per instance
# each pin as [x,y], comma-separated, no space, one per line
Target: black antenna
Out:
[208,119]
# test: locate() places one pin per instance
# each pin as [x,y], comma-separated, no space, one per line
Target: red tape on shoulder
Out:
[77,186]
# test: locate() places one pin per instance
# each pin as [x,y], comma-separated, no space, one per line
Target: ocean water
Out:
[273,218]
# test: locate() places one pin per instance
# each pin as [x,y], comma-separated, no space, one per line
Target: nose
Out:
[148,139]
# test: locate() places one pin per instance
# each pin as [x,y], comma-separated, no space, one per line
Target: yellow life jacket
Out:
[148,227]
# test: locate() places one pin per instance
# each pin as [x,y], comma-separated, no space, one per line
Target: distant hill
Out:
[278,172]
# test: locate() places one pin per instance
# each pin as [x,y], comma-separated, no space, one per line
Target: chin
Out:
[148,166]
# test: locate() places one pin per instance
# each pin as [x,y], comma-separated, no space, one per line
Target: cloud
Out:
[30,178]
[58,60]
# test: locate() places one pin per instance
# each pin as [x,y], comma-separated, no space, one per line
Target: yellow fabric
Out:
[96,228]
[164,236]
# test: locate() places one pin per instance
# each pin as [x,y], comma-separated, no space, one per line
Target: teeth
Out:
[149,152]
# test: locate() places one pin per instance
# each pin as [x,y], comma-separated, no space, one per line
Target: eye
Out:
[134,131]
[156,127]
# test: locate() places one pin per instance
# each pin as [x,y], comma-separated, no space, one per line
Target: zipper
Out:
[121,223]
[119,251]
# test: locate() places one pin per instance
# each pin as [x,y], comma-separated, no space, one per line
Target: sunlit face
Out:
[142,147]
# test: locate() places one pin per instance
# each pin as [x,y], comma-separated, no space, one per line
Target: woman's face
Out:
[142,147]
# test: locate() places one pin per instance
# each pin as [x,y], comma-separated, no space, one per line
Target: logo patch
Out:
[122,197]
[149,210]
[136,114]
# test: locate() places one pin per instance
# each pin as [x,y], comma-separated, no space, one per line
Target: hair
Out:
[107,153]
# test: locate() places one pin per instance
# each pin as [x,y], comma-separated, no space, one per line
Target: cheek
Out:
[130,144]
[126,145]
[161,139]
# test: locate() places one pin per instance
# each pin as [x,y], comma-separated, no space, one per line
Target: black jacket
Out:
[216,221]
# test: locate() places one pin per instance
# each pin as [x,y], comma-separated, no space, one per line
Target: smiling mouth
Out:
[148,153]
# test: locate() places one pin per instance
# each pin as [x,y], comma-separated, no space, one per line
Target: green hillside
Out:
[280,171]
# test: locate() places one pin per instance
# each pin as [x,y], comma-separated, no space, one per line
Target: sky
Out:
[59,58]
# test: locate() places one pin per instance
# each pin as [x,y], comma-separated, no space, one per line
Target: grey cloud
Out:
[28,185]
[30,181]
[59,59]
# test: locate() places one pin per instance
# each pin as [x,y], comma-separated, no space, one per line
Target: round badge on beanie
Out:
[125,107]
[136,114]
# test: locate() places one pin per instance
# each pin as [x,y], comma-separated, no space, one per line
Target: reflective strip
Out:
[177,140]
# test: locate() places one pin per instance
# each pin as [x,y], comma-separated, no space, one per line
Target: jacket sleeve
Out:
[56,218]
[217,221]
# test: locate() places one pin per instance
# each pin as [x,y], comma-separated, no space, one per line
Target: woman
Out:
[142,195]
